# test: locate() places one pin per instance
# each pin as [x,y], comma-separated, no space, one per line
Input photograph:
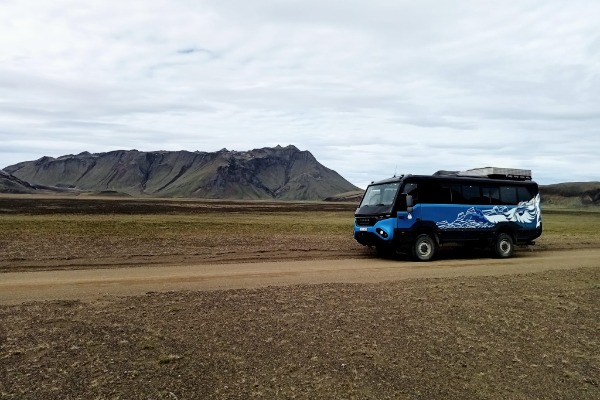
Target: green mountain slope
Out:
[571,193]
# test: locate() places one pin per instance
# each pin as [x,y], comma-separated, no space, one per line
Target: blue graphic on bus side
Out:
[524,213]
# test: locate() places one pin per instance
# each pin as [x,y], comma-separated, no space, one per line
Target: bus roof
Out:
[478,174]
[455,178]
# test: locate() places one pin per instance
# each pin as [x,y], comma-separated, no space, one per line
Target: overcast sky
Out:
[369,87]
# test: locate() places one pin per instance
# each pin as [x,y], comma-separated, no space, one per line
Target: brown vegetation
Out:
[505,337]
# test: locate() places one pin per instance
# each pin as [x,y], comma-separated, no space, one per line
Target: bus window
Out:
[381,195]
[456,194]
[388,195]
[434,193]
[374,197]
[471,194]
[523,194]
[508,195]
[445,194]
[491,195]
[411,189]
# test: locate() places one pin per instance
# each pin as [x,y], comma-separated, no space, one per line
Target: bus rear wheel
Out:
[503,246]
[423,248]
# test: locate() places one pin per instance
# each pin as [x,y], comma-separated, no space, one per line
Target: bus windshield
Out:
[380,196]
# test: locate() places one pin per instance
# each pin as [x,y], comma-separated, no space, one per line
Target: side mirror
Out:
[405,202]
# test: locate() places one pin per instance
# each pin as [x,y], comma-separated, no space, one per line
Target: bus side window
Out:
[407,189]
[434,193]
[491,195]
[411,189]
[443,194]
[471,194]
[524,194]
[456,194]
[508,195]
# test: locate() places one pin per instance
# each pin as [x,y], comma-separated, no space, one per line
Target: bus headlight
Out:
[382,232]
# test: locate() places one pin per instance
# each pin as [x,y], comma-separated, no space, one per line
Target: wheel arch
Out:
[429,228]
[505,227]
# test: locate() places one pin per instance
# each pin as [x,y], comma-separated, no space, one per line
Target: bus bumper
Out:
[400,241]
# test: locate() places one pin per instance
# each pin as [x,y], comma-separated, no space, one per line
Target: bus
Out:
[494,208]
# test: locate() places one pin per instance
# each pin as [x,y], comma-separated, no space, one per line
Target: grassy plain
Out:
[40,231]
[522,336]
[566,228]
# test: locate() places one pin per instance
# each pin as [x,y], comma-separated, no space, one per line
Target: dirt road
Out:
[19,287]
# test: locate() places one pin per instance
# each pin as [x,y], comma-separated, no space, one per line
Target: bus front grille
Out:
[363,221]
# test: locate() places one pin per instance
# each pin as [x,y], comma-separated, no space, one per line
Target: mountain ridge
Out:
[571,193]
[284,173]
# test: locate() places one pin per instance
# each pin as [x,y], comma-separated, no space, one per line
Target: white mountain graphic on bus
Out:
[525,213]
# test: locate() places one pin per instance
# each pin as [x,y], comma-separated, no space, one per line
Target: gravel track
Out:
[178,274]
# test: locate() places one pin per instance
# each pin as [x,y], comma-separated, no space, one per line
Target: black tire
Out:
[423,248]
[503,246]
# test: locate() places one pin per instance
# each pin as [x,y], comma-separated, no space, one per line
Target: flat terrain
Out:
[182,299]
[93,284]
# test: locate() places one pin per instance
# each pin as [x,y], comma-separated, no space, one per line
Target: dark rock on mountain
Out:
[269,173]
[11,184]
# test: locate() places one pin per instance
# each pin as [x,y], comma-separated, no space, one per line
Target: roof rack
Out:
[492,173]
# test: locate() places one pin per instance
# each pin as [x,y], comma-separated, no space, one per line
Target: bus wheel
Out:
[503,246]
[423,248]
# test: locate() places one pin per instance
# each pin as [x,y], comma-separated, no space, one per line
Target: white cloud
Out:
[367,87]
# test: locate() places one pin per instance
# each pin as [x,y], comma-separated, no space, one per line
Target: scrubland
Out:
[519,336]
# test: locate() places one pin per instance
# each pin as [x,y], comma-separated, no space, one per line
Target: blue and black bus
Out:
[495,208]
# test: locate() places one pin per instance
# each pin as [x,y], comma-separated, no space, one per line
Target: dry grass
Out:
[512,337]
[570,228]
[71,229]
[109,230]
[509,337]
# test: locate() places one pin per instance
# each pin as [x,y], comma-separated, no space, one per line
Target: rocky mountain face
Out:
[284,173]
[11,184]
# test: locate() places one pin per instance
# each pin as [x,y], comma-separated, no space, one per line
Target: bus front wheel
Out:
[423,248]
[503,246]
